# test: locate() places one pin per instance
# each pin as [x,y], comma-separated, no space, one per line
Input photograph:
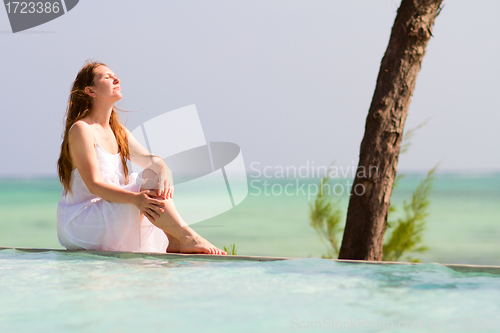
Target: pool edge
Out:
[127,255]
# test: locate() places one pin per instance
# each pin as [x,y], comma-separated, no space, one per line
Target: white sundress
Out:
[86,221]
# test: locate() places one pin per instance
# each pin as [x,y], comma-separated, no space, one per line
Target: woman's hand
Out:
[147,204]
[158,177]
[166,181]
[168,190]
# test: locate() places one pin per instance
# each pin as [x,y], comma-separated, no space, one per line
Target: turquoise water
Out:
[79,292]
[463,225]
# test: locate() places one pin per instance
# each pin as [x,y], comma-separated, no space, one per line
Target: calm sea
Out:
[463,225]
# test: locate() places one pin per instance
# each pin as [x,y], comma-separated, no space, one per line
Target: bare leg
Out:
[173,243]
[183,239]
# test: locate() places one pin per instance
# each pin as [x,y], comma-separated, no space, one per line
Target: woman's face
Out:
[106,84]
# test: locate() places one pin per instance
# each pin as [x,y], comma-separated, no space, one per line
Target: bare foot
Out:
[174,246]
[197,244]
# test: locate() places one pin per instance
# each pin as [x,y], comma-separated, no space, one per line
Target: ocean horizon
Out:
[462,226]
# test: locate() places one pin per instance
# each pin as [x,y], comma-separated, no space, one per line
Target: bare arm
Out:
[156,173]
[82,151]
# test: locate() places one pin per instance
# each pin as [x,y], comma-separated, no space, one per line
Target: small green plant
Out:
[407,234]
[231,250]
[325,218]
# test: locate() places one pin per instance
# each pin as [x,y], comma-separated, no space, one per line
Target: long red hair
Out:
[79,104]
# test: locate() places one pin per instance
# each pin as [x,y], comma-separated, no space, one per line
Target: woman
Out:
[102,207]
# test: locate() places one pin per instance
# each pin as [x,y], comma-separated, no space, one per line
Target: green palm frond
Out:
[407,234]
[325,217]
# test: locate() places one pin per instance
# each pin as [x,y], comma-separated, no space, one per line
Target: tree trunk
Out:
[378,159]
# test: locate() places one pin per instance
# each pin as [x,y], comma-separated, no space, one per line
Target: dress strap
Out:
[81,121]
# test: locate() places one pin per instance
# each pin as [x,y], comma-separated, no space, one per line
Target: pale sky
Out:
[290,82]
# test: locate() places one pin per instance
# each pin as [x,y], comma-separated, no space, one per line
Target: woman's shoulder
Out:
[80,124]
[80,131]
